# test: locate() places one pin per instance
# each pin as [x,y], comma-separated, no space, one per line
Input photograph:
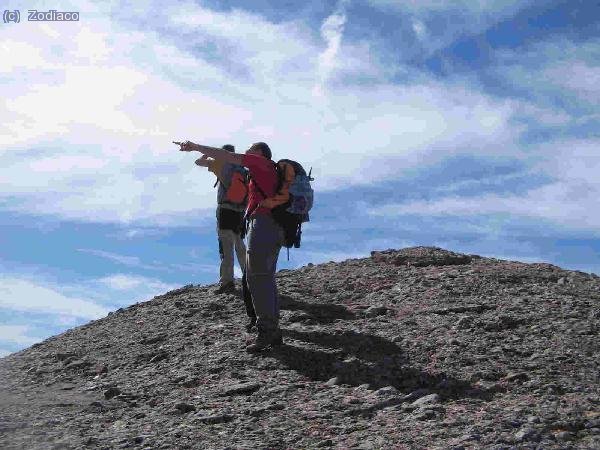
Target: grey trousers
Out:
[228,241]
[265,238]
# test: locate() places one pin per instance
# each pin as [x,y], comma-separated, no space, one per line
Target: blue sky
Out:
[470,125]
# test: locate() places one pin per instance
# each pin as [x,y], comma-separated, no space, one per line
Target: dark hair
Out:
[229,148]
[264,149]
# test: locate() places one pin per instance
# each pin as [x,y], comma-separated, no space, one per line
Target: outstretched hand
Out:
[186,146]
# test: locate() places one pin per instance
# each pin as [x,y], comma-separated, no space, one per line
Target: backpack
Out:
[234,190]
[293,200]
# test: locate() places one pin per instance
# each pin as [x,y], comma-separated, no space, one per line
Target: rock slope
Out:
[413,348]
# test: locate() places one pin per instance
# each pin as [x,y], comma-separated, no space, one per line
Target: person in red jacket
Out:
[265,237]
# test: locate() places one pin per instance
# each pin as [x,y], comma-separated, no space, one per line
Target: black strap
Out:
[219,181]
[258,187]
[261,192]
[246,219]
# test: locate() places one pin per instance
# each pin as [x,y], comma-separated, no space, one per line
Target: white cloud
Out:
[19,55]
[108,154]
[332,30]
[132,261]
[559,203]
[479,6]
[136,262]
[25,295]
[66,163]
[4,352]
[66,321]
[197,268]
[53,307]
[438,23]
[92,46]
[16,334]
[420,29]
[114,119]
[121,282]
[551,68]
[577,76]
[413,126]
[134,116]
[134,233]
[569,200]
[274,57]
[88,96]
[138,233]
[127,282]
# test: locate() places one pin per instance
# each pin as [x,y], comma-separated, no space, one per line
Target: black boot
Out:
[226,288]
[265,339]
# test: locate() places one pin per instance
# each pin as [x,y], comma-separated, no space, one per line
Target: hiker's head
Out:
[229,148]
[260,148]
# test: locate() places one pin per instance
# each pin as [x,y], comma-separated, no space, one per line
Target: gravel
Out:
[412,348]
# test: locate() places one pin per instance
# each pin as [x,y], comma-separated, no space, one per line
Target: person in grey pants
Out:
[229,222]
[265,237]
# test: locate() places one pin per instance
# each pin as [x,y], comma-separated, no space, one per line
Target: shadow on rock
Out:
[314,312]
[357,358]
[364,346]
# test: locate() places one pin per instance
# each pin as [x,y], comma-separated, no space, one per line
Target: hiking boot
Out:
[226,288]
[251,326]
[261,343]
[265,340]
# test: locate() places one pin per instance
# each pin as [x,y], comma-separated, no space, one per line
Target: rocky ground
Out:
[415,348]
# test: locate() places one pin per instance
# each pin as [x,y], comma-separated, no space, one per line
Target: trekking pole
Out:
[298,236]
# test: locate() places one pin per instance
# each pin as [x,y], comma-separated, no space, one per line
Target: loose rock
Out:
[410,348]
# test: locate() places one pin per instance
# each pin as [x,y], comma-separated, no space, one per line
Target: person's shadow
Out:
[356,358]
[315,312]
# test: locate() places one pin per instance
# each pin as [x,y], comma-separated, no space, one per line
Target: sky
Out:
[467,125]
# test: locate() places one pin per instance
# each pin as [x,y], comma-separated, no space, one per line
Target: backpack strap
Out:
[218,178]
[234,170]
[249,213]
[285,176]
[257,185]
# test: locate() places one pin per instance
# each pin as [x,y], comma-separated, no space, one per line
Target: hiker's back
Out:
[233,187]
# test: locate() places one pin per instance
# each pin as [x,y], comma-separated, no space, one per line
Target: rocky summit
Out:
[419,348]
